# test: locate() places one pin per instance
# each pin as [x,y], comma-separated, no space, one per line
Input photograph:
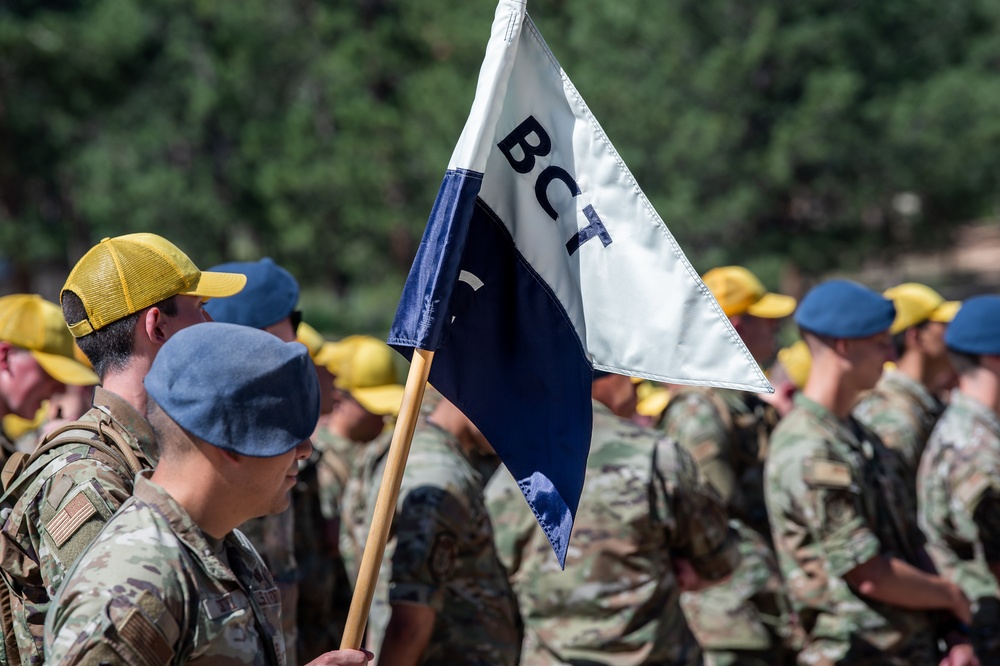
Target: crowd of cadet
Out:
[203,493]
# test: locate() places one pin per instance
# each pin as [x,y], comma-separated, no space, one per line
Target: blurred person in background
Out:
[904,406]
[37,360]
[450,600]
[648,527]
[746,619]
[959,475]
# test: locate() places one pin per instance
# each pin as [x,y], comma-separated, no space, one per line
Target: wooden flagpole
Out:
[388,494]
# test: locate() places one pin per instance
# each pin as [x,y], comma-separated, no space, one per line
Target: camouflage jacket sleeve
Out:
[694,512]
[57,517]
[118,616]
[428,525]
[694,422]
[817,511]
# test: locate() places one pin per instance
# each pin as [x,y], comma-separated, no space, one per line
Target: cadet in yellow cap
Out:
[368,397]
[788,375]
[122,301]
[903,407]
[745,619]
[36,358]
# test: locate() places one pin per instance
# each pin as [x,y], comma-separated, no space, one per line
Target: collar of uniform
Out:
[182,524]
[134,423]
[895,381]
[981,412]
[838,428]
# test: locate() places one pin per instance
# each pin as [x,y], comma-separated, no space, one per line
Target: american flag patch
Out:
[68,521]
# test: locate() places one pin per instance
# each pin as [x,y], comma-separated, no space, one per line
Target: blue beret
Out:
[238,388]
[976,327]
[269,296]
[844,309]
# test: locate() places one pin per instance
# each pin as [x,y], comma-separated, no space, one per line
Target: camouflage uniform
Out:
[902,412]
[644,500]
[727,432]
[61,510]
[154,589]
[834,495]
[273,537]
[325,600]
[746,619]
[959,486]
[445,557]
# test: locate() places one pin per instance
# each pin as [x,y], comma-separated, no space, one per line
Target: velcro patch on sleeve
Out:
[970,490]
[144,639]
[705,451]
[829,473]
[65,523]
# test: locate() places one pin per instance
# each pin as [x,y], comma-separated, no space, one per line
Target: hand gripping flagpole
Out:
[388,494]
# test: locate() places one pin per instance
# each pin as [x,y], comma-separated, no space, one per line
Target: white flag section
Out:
[542,261]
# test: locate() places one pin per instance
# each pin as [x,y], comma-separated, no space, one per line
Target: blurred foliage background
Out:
[796,137]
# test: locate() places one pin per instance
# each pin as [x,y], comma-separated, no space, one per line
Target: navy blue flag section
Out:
[542,260]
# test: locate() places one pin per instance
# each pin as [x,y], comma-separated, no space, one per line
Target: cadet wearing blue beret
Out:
[843,309]
[959,473]
[170,579]
[976,327]
[267,301]
[840,518]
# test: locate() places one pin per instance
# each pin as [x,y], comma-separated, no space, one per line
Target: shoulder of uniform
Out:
[789,452]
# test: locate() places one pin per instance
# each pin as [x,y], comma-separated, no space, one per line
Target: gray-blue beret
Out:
[976,327]
[238,388]
[269,296]
[843,309]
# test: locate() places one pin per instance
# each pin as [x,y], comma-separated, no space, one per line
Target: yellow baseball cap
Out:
[740,292]
[334,354]
[32,323]
[797,362]
[311,338]
[916,303]
[366,371]
[122,275]
[653,402]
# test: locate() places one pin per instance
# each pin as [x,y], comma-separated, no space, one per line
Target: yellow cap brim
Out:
[66,370]
[945,312]
[772,306]
[217,285]
[327,356]
[380,400]
[654,403]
